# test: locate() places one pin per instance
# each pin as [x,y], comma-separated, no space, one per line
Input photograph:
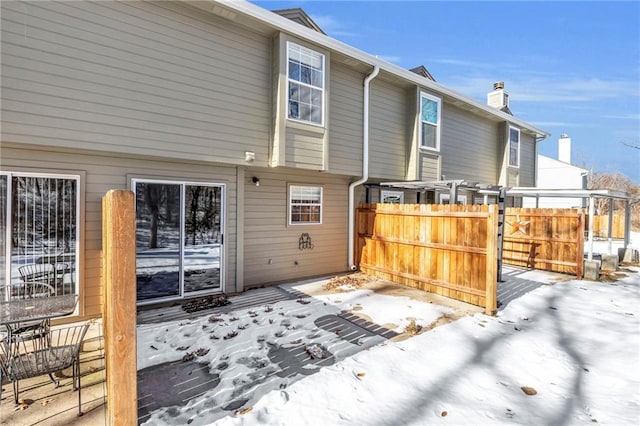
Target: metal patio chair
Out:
[25,358]
[44,273]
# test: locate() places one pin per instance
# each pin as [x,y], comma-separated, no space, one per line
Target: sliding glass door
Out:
[179,237]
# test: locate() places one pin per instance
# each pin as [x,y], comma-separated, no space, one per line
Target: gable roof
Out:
[298,15]
[561,163]
[233,9]
[423,71]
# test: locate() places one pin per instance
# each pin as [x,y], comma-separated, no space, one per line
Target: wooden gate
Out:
[547,239]
[449,250]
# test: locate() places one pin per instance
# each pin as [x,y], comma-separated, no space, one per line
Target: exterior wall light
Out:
[256,180]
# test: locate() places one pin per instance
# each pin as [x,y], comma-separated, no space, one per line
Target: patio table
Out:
[36,309]
[31,347]
[41,310]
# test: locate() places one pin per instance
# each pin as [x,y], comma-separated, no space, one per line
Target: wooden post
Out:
[119,306]
[580,245]
[492,262]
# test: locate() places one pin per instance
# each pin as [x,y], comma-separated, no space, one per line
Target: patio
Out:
[338,334]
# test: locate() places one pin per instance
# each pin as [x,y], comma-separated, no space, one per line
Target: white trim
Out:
[462,199]
[394,194]
[437,125]
[289,205]
[509,128]
[322,58]
[222,252]
[9,228]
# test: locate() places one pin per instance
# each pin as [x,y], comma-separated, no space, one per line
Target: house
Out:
[559,174]
[246,137]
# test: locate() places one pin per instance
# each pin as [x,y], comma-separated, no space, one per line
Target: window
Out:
[446,198]
[429,122]
[305,76]
[179,239]
[391,197]
[514,147]
[38,233]
[305,205]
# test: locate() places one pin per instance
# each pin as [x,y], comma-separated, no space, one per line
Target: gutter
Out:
[365,168]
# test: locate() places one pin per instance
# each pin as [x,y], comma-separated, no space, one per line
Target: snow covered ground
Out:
[575,346]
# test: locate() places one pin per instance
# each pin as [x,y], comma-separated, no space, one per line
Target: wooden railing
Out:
[547,239]
[449,250]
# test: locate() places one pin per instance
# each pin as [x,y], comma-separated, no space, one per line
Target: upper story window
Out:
[514,147]
[430,107]
[305,205]
[305,76]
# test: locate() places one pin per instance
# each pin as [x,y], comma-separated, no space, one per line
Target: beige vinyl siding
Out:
[429,167]
[271,245]
[346,115]
[104,172]
[134,77]
[304,149]
[388,133]
[469,146]
[527,160]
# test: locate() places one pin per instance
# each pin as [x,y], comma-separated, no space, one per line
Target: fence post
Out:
[119,306]
[580,245]
[492,261]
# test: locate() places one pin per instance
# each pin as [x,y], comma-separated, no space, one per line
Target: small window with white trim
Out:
[305,205]
[305,77]
[391,197]
[514,147]
[446,199]
[430,107]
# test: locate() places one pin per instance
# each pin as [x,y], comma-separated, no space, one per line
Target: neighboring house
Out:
[240,132]
[559,174]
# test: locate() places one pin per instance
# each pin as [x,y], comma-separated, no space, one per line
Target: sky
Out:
[564,353]
[569,67]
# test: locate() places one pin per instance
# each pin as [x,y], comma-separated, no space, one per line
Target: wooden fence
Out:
[547,239]
[449,250]
[601,226]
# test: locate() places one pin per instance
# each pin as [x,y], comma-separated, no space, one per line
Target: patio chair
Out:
[25,358]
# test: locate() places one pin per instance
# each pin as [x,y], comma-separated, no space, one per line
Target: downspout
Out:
[365,168]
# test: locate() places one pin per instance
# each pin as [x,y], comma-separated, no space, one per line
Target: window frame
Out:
[384,193]
[299,82]
[517,162]
[8,226]
[437,125]
[461,198]
[183,183]
[290,188]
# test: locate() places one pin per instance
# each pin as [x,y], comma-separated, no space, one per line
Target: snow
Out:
[576,343]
